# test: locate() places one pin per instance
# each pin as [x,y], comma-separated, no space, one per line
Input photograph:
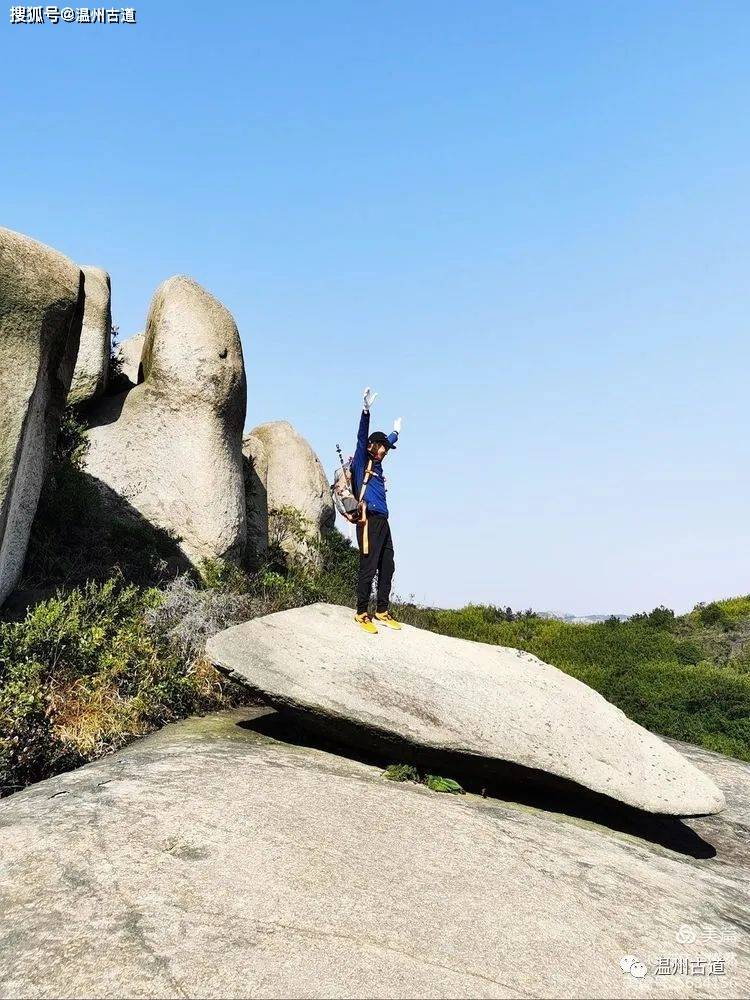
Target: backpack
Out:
[342,489]
[342,492]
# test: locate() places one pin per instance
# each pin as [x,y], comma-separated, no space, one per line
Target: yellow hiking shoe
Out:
[365,622]
[387,619]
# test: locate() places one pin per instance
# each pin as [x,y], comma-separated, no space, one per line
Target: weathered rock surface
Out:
[41,306]
[215,860]
[256,497]
[92,363]
[461,697]
[171,448]
[295,478]
[129,353]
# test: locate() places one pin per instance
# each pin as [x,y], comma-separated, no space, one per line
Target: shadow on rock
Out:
[83,531]
[107,408]
[495,779]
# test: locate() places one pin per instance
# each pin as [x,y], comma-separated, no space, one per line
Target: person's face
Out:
[378,452]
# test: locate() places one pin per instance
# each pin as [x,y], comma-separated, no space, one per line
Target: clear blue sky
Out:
[526,224]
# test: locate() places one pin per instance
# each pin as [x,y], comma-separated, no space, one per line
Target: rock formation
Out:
[256,496]
[129,353]
[92,363]
[468,699]
[171,448]
[219,858]
[295,478]
[41,307]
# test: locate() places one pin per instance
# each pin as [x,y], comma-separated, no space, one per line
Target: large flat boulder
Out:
[170,448]
[41,305]
[92,363]
[461,697]
[295,480]
[216,859]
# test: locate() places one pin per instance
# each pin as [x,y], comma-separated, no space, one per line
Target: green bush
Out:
[712,614]
[406,772]
[651,666]
[401,772]
[337,581]
[687,652]
[736,610]
[224,576]
[82,674]
[437,784]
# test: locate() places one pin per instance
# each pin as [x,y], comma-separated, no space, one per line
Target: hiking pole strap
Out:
[365,532]
[365,535]
[365,480]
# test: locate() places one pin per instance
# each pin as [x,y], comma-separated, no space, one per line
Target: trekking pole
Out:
[343,467]
[348,481]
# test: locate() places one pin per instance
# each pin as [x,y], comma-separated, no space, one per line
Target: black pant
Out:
[379,559]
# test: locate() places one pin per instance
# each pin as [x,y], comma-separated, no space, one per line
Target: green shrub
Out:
[687,652]
[337,581]
[291,541]
[224,576]
[90,669]
[401,772]
[406,772]
[82,674]
[735,610]
[712,614]
[661,617]
[437,784]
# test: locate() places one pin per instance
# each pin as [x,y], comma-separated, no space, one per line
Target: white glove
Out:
[397,425]
[368,399]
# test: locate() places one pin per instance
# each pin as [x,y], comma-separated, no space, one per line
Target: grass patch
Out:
[436,783]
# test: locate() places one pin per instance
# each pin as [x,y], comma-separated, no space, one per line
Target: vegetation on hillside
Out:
[687,676]
[113,646]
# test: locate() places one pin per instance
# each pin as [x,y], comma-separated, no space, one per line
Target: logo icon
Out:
[686,934]
[633,965]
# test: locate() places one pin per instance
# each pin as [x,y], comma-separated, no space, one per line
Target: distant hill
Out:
[581,619]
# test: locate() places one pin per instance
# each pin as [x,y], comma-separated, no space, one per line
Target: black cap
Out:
[378,437]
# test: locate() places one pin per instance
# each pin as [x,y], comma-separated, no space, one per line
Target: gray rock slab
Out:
[214,860]
[92,363]
[41,307]
[459,696]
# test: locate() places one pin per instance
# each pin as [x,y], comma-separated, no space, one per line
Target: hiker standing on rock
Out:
[373,530]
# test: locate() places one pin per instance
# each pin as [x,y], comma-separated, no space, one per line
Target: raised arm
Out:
[393,436]
[362,434]
[360,454]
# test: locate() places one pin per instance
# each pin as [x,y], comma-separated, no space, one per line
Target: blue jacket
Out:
[375,492]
